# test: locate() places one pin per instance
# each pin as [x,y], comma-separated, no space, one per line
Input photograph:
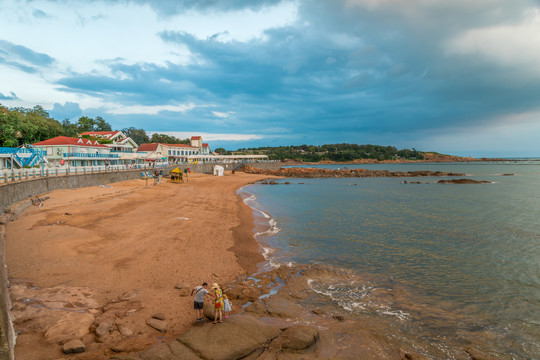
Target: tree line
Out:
[334,152]
[20,126]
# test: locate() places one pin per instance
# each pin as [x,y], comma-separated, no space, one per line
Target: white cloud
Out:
[509,136]
[223,115]
[118,109]
[516,46]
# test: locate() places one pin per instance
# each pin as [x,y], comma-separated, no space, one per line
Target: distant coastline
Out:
[429,157]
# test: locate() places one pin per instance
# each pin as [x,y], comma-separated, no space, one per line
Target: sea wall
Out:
[12,194]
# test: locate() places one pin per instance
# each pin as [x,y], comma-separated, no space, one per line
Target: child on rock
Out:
[227,306]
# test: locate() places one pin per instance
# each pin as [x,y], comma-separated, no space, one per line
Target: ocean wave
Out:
[272,230]
[250,198]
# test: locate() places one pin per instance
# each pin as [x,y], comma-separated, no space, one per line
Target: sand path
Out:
[128,239]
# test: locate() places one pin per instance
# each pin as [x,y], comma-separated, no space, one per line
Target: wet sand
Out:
[92,253]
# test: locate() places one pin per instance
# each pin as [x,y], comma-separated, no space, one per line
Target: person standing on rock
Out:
[198,300]
[227,306]
[218,303]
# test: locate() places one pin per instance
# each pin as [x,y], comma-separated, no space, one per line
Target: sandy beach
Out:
[125,250]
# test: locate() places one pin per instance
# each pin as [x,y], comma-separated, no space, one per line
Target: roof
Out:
[110,133]
[148,147]
[205,145]
[180,145]
[196,138]
[65,140]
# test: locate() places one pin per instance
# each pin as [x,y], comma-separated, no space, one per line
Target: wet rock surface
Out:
[463,181]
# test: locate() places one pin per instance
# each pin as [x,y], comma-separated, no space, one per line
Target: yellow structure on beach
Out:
[176,176]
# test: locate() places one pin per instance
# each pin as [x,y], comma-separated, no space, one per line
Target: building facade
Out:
[75,152]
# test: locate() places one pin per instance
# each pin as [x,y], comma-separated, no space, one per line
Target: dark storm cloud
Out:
[343,70]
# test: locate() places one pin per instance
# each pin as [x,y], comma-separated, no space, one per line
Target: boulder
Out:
[208,310]
[68,326]
[235,338]
[104,328]
[282,307]
[74,347]
[257,308]
[124,330]
[297,337]
[159,325]
[249,293]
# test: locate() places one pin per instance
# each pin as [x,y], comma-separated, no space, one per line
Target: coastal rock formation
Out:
[327,173]
[159,325]
[297,337]
[73,347]
[235,338]
[463,181]
[61,313]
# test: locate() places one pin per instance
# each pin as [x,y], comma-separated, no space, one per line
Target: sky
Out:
[460,77]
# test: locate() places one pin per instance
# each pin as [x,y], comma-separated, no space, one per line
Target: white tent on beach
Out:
[218,170]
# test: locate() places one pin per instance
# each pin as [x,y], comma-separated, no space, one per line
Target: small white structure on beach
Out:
[218,170]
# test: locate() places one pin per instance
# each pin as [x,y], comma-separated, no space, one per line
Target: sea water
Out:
[450,263]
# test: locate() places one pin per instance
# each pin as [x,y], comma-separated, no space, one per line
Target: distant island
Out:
[345,153]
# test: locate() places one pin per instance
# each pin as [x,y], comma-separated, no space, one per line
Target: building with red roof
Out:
[64,150]
[119,141]
[176,153]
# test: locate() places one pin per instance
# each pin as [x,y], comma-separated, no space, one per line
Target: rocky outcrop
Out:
[327,173]
[297,337]
[235,338]
[463,181]
[73,347]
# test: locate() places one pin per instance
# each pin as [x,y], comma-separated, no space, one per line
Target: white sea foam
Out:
[249,199]
[354,296]
[272,229]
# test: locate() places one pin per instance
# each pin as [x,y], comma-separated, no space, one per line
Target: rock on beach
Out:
[235,338]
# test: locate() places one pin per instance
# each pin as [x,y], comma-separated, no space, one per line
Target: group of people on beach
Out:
[222,304]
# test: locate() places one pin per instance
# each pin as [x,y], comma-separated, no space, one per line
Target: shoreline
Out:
[246,247]
[290,285]
[82,253]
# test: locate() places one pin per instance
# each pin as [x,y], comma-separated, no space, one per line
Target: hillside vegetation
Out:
[335,152]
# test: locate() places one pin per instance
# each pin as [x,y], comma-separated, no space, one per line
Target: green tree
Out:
[101,125]
[220,151]
[137,135]
[69,129]
[85,124]
[167,139]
